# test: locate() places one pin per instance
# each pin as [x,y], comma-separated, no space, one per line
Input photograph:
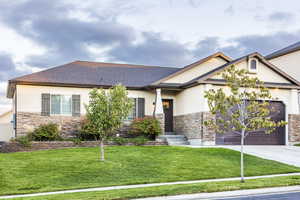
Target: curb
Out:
[231,194]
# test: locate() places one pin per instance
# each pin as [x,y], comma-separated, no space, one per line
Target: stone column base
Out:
[193,128]
[161,119]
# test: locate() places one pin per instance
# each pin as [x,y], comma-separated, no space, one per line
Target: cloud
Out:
[240,46]
[229,10]
[281,17]
[7,67]
[64,37]
[68,38]
[153,50]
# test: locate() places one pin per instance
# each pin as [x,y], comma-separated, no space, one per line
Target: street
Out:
[282,196]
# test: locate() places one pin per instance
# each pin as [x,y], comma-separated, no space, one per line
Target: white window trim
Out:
[136,110]
[249,65]
[68,115]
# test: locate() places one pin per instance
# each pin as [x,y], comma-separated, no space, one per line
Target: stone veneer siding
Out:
[192,126]
[69,125]
[294,128]
[27,121]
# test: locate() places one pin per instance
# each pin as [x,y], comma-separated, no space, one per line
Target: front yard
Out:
[51,170]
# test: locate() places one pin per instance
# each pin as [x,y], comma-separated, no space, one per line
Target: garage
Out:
[277,137]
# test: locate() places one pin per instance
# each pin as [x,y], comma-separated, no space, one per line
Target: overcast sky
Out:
[38,34]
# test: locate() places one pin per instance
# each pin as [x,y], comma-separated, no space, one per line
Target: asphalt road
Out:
[285,196]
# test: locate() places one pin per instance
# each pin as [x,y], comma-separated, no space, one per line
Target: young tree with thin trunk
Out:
[105,113]
[242,107]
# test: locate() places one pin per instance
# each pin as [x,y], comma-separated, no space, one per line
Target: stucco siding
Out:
[196,71]
[29,97]
[290,63]
[190,100]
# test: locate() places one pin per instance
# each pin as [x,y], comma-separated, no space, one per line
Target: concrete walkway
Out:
[231,194]
[142,186]
[285,154]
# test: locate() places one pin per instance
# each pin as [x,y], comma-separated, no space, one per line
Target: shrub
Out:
[86,131]
[25,141]
[119,140]
[147,126]
[141,140]
[76,141]
[122,141]
[46,132]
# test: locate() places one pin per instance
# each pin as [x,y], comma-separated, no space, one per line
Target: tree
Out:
[243,106]
[106,111]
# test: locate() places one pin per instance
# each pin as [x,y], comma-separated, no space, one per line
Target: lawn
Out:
[173,189]
[50,170]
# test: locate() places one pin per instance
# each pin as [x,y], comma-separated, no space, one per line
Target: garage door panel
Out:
[277,137]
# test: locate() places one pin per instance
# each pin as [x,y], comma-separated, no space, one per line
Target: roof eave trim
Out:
[72,85]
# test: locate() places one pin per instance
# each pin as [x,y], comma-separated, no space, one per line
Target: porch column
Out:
[159,110]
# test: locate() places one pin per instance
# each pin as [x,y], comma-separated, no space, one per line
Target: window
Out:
[61,104]
[133,113]
[252,65]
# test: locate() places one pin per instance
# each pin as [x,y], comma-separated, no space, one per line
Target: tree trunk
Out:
[102,150]
[242,156]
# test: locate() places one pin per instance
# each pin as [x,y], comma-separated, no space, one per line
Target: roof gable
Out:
[195,69]
[280,76]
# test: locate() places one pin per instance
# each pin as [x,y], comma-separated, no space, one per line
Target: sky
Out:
[39,34]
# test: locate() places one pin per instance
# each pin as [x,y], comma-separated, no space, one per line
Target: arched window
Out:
[252,65]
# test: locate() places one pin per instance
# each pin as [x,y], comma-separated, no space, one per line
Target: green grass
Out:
[298,145]
[173,189]
[51,170]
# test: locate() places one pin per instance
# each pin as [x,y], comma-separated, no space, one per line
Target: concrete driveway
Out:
[285,154]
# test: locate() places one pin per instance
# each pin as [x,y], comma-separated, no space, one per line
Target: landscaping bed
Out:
[42,145]
[61,169]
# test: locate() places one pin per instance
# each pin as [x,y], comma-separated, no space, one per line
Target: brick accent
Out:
[192,126]
[208,134]
[27,121]
[294,128]
[161,119]
[69,125]
[188,125]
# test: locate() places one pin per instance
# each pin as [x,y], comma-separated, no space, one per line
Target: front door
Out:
[168,111]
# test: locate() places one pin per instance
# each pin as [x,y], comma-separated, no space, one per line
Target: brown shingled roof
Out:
[93,74]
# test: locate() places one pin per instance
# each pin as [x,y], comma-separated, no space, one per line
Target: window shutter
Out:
[75,105]
[45,105]
[141,107]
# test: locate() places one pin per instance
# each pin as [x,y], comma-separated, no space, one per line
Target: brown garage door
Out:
[277,137]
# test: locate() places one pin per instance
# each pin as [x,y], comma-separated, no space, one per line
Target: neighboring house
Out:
[174,95]
[6,126]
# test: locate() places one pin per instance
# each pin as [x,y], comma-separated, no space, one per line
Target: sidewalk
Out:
[229,194]
[142,186]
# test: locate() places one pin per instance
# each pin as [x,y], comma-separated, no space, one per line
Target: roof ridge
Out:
[283,51]
[119,64]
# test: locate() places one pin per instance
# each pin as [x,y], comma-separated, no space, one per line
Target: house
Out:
[174,95]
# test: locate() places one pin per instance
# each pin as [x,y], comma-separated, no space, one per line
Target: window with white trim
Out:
[133,113]
[252,65]
[61,104]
